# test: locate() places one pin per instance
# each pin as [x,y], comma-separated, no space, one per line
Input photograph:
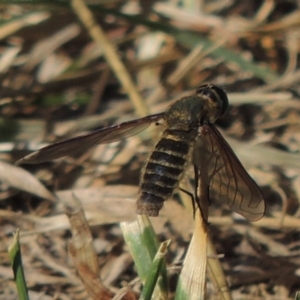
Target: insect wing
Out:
[84,142]
[226,177]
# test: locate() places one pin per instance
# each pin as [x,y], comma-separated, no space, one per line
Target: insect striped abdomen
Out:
[163,171]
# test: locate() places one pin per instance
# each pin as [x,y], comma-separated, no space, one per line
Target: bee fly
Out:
[189,131]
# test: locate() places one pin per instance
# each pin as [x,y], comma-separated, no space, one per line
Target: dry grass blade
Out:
[289,21]
[81,247]
[7,58]
[188,18]
[84,256]
[54,72]
[27,20]
[264,155]
[102,206]
[192,280]
[23,180]
[47,46]
[216,273]
[252,97]
[92,283]
[119,69]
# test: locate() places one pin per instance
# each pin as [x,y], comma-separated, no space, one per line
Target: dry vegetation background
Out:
[56,82]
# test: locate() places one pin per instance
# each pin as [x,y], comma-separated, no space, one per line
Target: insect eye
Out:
[216,94]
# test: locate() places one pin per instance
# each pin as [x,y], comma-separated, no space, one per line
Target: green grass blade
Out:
[155,270]
[14,252]
[141,239]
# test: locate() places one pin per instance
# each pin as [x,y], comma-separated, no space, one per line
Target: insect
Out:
[189,132]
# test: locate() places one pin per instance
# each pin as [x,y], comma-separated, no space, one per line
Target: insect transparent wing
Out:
[84,142]
[222,171]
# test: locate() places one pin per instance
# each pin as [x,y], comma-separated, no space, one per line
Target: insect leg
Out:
[193,199]
[203,195]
